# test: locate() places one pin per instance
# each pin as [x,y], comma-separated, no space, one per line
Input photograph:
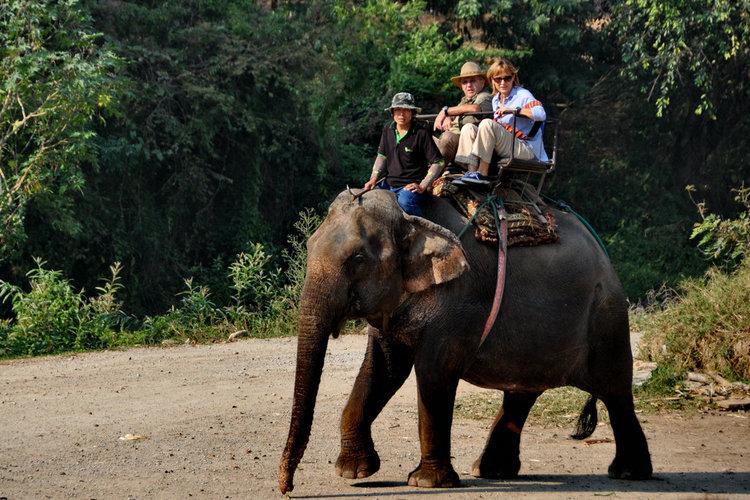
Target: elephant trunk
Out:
[316,322]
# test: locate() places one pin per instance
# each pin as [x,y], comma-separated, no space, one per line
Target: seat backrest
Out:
[533,167]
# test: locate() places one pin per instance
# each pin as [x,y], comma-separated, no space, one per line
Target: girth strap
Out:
[501,224]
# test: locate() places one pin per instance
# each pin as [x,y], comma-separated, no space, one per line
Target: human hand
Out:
[369,185]
[438,125]
[414,188]
[502,110]
[447,122]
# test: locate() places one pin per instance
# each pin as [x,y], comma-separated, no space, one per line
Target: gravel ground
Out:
[211,421]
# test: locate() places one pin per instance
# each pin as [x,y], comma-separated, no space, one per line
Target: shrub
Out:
[51,317]
[725,240]
[279,318]
[707,326]
[264,302]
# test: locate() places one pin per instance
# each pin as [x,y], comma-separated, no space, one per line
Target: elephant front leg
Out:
[436,398]
[386,365]
[501,456]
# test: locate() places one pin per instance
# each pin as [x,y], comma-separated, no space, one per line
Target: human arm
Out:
[525,105]
[378,171]
[444,119]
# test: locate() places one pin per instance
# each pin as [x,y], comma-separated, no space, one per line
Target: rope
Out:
[490,198]
[567,208]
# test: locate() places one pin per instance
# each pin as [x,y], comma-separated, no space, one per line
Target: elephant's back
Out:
[542,333]
[576,256]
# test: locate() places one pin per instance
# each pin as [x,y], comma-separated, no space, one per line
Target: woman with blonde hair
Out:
[495,135]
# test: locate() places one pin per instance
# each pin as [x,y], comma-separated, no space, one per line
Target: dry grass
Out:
[557,407]
[561,407]
[707,328]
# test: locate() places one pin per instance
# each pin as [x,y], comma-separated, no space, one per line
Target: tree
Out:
[690,58]
[700,47]
[55,77]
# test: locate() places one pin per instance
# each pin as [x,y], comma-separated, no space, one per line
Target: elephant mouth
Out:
[338,326]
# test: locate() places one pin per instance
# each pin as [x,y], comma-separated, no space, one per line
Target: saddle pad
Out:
[530,221]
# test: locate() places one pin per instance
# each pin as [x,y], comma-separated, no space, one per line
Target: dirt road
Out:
[213,421]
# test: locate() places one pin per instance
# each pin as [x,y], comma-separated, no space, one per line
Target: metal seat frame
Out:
[535,166]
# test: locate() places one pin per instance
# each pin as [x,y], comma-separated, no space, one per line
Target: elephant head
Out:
[363,261]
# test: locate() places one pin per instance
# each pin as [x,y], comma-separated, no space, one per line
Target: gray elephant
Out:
[426,296]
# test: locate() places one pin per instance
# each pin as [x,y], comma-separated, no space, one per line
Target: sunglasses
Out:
[506,78]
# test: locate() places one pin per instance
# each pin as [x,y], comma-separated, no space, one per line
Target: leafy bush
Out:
[51,317]
[276,299]
[263,301]
[707,325]
[726,241]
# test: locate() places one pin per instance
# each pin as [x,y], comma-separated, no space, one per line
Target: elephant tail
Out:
[587,420]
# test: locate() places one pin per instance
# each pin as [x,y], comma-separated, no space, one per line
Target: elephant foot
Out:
[635,469]
[357,465]
[434,475]
[506,468]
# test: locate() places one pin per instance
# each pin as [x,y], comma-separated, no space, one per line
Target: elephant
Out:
[425,295]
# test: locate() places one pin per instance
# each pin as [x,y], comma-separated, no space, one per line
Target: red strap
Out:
[502,251]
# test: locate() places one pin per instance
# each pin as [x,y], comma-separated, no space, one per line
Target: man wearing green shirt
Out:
[408,159]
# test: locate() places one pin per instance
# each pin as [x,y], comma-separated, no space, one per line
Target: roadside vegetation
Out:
[52,317]
[705,324]
[155,157]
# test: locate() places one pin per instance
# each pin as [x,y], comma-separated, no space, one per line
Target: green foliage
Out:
[51,317]
[215,149]
[55,77]
[253,285]
[706,328]
[725,240]
[671,44]
[276,300]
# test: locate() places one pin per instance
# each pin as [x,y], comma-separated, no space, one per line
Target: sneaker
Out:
[475,178]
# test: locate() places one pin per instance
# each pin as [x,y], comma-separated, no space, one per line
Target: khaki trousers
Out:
[492,138]
[465,143]
[447,143]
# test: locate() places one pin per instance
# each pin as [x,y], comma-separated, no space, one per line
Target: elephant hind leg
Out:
[632,458]
[501,456]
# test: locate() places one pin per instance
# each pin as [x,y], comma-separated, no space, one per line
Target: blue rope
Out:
[567,208]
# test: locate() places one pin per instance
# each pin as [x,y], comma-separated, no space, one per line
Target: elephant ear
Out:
[431,255]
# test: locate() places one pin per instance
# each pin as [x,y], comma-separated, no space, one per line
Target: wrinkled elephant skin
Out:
[425,294]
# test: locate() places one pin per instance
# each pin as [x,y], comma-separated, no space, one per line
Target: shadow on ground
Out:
[672,482]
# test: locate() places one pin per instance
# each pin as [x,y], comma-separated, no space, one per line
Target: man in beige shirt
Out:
[472,82]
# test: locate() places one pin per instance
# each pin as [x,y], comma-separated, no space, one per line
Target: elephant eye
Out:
[355,261]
